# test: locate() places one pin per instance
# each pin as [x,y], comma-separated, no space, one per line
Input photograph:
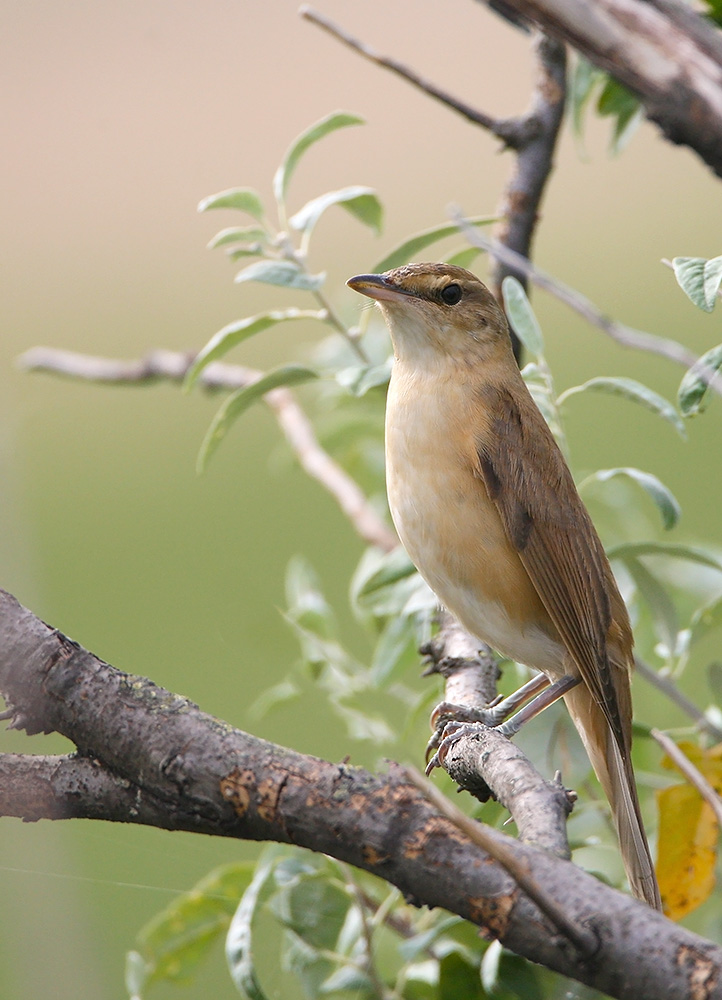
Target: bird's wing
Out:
[529,482]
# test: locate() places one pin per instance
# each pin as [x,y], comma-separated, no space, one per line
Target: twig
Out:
[369,965]
[512,131]
[667,686]
[499,851]
[173,366]
[691,773]
[623,335]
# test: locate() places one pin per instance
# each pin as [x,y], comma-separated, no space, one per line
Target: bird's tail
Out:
[617,779]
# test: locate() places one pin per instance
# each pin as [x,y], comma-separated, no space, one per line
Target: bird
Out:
[486,507]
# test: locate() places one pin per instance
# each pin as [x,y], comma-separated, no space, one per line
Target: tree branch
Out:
[534,160]
[532,136]
[171,366]
[662,50]
[149,756]
[623,335]
[693,775]
[666,685]
[511,131]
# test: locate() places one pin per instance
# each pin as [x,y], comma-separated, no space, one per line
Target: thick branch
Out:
[662,50]
[164,762]
[172,366]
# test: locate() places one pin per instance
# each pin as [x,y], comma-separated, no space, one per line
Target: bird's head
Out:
[436,308]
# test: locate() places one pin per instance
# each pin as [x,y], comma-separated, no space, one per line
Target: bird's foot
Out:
[447,715]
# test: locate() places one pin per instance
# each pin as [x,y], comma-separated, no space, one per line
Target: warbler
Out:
[487,509]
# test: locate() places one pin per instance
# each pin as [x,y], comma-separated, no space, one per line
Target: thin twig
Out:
[369,966]
[512,131]
[691,773]
[667,686]
[297,428]
[623,335]
[498,850]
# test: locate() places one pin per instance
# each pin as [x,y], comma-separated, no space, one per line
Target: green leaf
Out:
[661,606]
[414,947]
[252,250]
[407,250]
[243,199]
[706,619]
[272,697]
[490,963]
[235,333]
[314,908]
[307,605]
[280,272]
[693,387]
[618,102]
[635,392]
[239,401]
[521,316]
[349,978]
[714,11]
[457,978]
[361,202]
[672,550]
[699,279]
[663,497]
[375,573]
[332,122]
[584,78]
[358,379]
[136,975]
[395,646]
[238,234]
[239,941]
[172,945]
[464,258]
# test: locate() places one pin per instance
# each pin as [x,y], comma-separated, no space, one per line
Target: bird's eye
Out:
[451,294]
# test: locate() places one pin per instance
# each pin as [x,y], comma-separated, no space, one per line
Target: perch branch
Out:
[497,848]
[156,758]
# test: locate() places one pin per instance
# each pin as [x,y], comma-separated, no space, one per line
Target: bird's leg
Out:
[446,714]
[496,713]
[455,730]
[553,693]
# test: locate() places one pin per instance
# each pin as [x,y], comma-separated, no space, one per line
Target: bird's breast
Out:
[448,524]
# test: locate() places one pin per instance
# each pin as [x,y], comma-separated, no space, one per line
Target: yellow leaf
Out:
[687,849]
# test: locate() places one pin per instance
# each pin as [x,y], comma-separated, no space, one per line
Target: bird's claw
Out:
[446,714]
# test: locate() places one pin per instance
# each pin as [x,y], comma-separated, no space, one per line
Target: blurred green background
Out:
[117,119]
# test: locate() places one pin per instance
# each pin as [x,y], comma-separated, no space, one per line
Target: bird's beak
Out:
[376,286]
